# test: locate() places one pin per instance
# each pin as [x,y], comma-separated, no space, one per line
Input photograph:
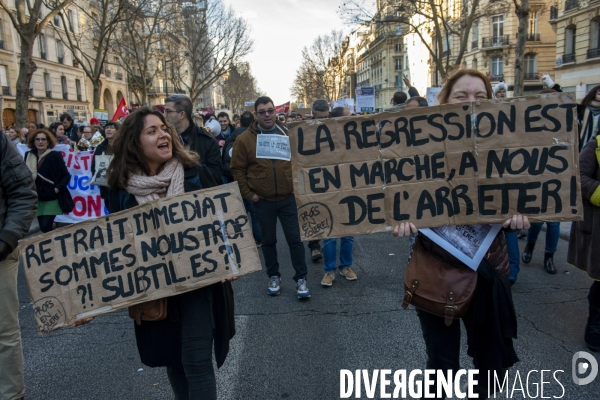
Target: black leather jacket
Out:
[18,197]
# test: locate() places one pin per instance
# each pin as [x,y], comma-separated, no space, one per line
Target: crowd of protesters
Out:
[168,150]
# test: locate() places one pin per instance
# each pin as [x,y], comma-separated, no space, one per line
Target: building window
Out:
[595,34]
[497,68]
[70,19]
[498,26]
[2,45]
[530,66]
[78,89]
[398,66]
[398,30]
[65,90]
[533,23]
[43,47]
[474,64]
[570,35]
[476,31]
[48,85]
[4,80]
[398,47]
[60,52]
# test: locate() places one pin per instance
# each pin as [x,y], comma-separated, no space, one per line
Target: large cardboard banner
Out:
[88,203]
[454,164]
[159,249]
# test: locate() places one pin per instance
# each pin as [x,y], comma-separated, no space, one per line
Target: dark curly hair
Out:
[128,156]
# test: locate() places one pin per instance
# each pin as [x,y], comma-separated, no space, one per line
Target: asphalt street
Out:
[291,349]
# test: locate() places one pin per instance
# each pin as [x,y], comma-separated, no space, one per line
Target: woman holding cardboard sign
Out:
[481,298]
[150,162]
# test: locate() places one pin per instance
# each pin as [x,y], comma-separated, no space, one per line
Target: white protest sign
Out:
[432,93]
[468,243]
[273,147]
[88,203]
[365,99]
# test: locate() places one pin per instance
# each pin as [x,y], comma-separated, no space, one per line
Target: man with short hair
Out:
[399,98]
[226,127]
[268,183]
[18,202]
[320,109]
[70,127]
[178,112]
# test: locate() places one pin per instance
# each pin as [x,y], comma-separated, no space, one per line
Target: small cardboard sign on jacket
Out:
[468,163]
[158,249]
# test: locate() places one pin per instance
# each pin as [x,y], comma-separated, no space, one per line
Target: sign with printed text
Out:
[88,203]
[456,164]
[273,147]
[365,99]
[158,249]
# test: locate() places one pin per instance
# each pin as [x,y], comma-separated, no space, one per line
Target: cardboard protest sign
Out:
[159,249]
[468,163]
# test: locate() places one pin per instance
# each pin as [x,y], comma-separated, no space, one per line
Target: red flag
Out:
[284,108]
[121,112]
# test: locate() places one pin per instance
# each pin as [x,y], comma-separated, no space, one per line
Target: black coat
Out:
[227,151]
[207,147]
[159,342]
[53,168]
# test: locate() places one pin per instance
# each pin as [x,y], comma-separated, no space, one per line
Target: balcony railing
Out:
[593,53]
[48,94]
[568,58]
[61,60]
[43,56]
[119,76]
[496,78]
[533,37]
[6,90]
[65,96]
[553,12]
[495,41]
[571,4]
[446,53]
[530,76]
[79,97]
[474,44]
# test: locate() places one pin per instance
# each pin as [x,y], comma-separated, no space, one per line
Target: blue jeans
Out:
[552,234]
[330,253]
[514,257]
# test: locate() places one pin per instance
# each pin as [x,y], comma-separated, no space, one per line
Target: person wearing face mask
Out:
[490,321]
[50,174]
[105,148]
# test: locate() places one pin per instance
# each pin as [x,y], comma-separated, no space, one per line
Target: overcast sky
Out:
[280,29]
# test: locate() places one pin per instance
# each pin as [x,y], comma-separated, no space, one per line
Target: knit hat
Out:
[94,121]
[499,86]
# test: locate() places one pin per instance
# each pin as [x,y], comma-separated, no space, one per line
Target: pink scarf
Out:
[147,188]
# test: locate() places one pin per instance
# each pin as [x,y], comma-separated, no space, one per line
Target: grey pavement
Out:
[288,349]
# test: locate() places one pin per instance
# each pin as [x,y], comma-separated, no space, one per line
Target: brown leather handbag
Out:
[437,282]
[153,310]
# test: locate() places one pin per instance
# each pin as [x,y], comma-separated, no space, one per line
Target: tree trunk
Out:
[522,12]
[97,91]
[26,69]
